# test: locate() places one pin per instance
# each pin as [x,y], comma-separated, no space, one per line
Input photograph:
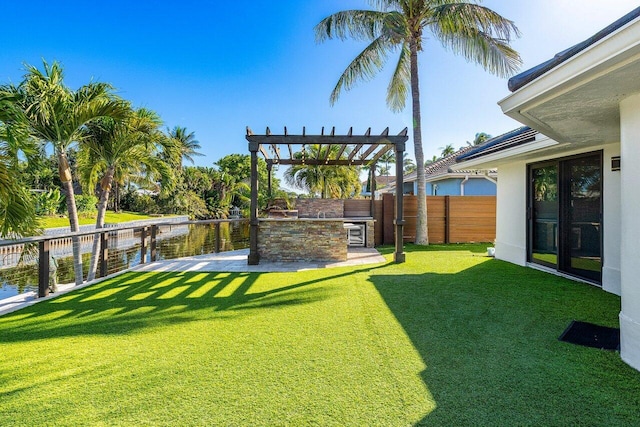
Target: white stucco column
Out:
[611,222]
[511,231]
[630,226]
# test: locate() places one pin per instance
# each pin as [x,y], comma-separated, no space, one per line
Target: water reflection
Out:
[125,253]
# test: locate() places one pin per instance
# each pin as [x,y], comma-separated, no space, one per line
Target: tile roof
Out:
[530,75]
[441,166]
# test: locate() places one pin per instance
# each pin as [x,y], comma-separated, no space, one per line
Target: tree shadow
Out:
[138,300]
[488,336]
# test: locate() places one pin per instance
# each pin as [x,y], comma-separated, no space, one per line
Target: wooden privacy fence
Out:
[450,219]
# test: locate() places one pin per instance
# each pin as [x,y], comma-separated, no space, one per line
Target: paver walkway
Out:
[236,261]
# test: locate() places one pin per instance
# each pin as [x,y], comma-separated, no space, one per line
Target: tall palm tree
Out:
[183,145]
[463,26]
[56,114]
[118,146]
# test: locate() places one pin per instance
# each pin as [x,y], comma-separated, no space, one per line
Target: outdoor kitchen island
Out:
[309,239]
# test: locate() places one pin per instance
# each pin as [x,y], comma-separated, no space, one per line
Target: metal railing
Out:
[44,259]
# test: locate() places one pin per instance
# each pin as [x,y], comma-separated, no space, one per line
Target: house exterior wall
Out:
[474,186]
[480,187]
[630,246]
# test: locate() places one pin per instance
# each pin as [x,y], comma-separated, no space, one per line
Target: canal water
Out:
[182,241]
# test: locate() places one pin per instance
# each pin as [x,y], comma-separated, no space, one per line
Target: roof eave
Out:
[590,66]
[493,160]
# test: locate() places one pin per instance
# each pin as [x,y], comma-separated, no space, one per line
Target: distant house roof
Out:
[516,137]
[528,76]
[383,181]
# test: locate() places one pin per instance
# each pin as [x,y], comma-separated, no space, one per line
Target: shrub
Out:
[86,203]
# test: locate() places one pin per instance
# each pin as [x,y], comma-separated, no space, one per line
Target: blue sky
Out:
[218,66]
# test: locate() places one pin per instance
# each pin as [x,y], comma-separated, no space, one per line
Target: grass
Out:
[451,337]
[110,217]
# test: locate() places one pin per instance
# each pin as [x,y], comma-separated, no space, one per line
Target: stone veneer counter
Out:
[302,239]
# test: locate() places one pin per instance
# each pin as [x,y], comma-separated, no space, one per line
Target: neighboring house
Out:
[569,201]
[382,184]
[442,181]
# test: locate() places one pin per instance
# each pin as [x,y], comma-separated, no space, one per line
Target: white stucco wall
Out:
[630,238]
[511,231]
[611,230]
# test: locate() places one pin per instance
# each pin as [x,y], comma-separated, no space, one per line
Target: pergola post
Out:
[269,169]
[254,258]
[372,187]
[399,255]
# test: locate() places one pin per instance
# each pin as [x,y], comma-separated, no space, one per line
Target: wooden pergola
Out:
[354,150]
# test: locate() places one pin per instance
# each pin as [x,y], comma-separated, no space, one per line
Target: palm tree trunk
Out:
[105,189]
[422,237]
[64,172]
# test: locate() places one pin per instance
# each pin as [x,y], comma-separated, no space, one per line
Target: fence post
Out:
[143,245]
[216,237]
[447,213]
[43,267]
[154,231]
[104,253]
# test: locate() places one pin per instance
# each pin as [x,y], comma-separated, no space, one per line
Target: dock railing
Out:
[47,259]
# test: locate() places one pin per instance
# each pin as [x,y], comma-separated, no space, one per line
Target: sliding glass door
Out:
[565,215]
[544,208]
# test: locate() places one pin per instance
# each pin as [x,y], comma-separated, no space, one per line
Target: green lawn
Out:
[110,217]
[449,338]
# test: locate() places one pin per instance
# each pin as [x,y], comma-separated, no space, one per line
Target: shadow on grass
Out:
[134,301]
[488,337]
[454,247]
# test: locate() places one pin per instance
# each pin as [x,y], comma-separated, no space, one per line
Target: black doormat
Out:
[590,335]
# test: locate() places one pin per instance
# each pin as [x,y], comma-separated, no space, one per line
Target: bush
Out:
[86,203]
[49,202]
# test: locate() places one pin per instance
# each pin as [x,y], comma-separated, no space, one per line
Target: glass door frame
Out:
[564,216]
[531,212]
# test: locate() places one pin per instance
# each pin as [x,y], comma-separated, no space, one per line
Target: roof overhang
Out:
[577,102]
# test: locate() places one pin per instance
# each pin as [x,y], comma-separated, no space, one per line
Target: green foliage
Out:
[324,180]
[49,202]
[86,203]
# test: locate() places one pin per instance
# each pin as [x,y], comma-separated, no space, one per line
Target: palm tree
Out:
[56,114]
[109,147]
[183,145]
[480,138]
[473,31]
[447,150]
[387,158]
[17,212]
[322,180]
[408,164]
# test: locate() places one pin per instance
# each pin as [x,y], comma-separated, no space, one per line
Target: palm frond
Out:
[364,67]
[400,83]
[479,35]
[355,24]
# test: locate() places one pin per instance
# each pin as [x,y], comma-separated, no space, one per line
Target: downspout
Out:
[466,178]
